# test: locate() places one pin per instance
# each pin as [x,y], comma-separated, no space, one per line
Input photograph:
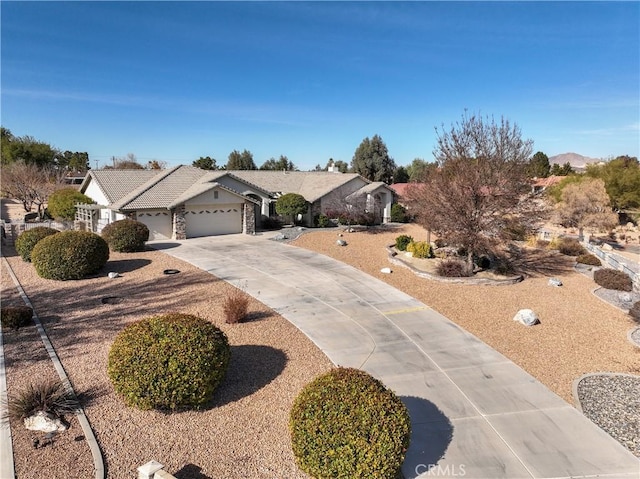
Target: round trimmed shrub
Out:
[69,255]
[589,259]
[420,249]
[403,241]
[62,203]
[126,236]
[15,316]
[570,247]
[613,279]
[28,239]
[168,362]
[346,423]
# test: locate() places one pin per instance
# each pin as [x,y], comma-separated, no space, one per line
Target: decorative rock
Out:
[301,228]
[607,247]
[340,234]
[350,230]
[386,270]
[43,422]
[526,317]
[625,297]
[113,274]
[409,254]
[341,242]
[280,237]
[555,282]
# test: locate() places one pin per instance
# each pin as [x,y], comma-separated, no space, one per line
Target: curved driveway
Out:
[474,413]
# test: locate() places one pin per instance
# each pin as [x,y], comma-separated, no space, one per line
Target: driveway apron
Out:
[474,413]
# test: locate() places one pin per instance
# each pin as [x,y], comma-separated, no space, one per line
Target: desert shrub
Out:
[235,305]
[402,242]
[613,279]
[323,221]
[62,203]
[554,243]
[169,362]
[69,255]
[28,239]
[440,243]
[570,247]
[346,423]
[589,259]
[48,396]
[420,249]
[452,268]
[126,236]
[634,312]
[363,219]
[15,316]
[399,213]
[543,243]
[483,262]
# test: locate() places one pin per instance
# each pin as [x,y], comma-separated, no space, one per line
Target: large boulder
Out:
[526,317]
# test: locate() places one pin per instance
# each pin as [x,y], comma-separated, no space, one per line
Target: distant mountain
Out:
[577,162]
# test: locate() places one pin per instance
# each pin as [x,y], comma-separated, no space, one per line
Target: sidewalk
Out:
[474,413]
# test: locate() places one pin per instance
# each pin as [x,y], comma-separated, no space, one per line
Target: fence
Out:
[617,262]
[13,230]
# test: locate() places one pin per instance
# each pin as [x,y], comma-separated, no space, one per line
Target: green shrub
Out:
[399,213]
[269,223]
[15,316]
[403,241]
[613,279]
[169,362]
[291,205]
[589,259]
[420,249]
[323,221]
[452,268]
[347,424]
[69,255]
[62,203]
[570,247]
[634,312]
[126,236]
[28,239]
[49,396]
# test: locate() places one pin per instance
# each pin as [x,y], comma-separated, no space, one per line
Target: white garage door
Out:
[210,220]
[158,222]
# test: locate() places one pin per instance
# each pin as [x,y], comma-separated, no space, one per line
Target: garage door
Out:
[210,220]
[158,222]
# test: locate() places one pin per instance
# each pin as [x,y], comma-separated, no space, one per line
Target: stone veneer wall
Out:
[179,223]
[248,219]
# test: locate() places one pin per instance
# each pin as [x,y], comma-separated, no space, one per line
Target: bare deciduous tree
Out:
[477,192]
[30,184]
[585,205]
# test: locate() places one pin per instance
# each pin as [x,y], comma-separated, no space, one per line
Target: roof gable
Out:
[115,184]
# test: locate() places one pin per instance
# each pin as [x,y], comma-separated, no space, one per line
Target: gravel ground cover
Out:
[613,402]
[578,334]
[244,433]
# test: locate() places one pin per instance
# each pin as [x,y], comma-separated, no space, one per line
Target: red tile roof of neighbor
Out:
[399,188]
[546,182]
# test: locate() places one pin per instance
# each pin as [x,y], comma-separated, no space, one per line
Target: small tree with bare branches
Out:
[474,196]
[30,184]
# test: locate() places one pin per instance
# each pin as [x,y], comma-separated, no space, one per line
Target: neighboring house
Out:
[541,184]
[186,202]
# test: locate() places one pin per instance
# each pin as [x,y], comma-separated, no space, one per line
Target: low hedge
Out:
[69,255]
[613,279]
[126,236]
[420,249]
[347,424]
[168,362]
[15,316]
[28,239]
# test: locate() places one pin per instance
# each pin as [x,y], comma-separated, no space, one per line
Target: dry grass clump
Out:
[48,396]
[236,305]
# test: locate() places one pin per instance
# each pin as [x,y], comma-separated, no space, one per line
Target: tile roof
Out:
[310,184]
[117,183]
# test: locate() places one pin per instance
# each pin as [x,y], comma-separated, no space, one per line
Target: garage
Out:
[211,220]
[158,222]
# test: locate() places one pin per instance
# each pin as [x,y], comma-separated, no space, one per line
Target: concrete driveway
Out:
[474,413]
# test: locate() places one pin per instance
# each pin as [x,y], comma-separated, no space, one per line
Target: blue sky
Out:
[174,81]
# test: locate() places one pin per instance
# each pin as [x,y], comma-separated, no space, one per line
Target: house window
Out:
[215,195]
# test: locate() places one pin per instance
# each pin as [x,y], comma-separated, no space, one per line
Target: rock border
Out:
[576,382]
[392,257]
[630,336]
